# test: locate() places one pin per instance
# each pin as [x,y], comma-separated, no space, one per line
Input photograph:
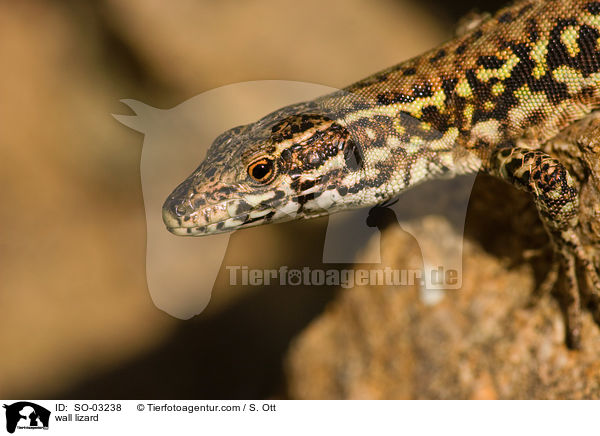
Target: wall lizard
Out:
[513,95]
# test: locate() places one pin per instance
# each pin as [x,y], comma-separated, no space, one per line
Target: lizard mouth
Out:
[251,219]
[183,220]
[240,222]
[231,215]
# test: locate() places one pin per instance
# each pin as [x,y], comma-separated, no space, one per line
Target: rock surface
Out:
[489,340]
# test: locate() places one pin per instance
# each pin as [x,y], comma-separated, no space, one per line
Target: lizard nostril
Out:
[179,210]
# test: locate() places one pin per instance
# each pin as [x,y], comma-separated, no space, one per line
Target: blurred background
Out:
[76,319]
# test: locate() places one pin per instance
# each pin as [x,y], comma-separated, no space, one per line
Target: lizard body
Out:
[496,99]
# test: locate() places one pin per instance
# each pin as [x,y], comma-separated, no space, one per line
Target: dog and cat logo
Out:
[26,415]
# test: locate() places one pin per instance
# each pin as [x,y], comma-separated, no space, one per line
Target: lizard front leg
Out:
[556,197]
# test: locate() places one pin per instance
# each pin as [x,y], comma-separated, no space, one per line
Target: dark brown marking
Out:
[490,62]
[593,8]
[506,17]
[391,97]
[439,55]
[532,30]
[422,90]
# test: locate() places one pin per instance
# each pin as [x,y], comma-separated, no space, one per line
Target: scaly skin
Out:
[493,99]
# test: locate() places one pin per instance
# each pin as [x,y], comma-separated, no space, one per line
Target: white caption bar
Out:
[265,417]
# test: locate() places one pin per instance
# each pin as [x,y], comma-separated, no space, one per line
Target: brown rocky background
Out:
[76,319]
[495,338]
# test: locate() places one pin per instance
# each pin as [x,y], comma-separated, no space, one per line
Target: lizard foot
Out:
[556,196]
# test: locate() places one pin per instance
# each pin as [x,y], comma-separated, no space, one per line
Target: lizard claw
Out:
[569,296]
[576,280]
[591,281]
[547,285]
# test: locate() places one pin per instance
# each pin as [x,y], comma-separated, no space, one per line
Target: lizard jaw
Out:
[223,226]
[210,219]
[232,215]
[222,217]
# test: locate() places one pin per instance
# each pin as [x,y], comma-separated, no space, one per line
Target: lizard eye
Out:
[262,170]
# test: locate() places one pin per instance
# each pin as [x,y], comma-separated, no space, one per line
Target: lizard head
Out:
[288,165]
